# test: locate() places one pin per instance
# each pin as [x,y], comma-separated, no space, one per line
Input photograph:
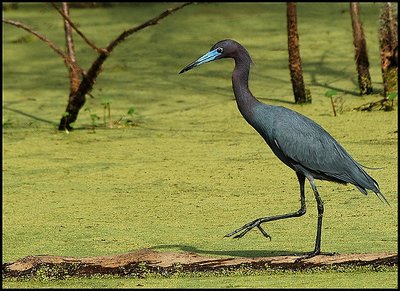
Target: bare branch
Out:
[90,78]
[41,37]
[68,35]
[77,97]
[47,41]
[383,104]
[152,21]
[77,100]
[66,18]
[74,76]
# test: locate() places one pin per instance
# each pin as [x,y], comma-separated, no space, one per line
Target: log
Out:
[147,261]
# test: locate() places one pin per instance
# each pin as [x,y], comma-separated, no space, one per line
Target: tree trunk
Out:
[388,49]
[296,73]
[361,55]
[78,98]
[78,88]
[74,101]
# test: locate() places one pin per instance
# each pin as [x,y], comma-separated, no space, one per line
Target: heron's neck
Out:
[240,83]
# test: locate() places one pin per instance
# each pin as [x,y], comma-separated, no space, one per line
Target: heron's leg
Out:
[256,223]
[320,207]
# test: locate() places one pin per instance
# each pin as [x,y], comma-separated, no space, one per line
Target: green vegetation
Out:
[190,170]
[366,277]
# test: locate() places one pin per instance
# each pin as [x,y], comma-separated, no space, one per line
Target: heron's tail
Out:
[376,190]
[365,181]
[382,198]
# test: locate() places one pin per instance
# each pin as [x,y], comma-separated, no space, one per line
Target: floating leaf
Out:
[131,111]
[94,116]
[392,96]
[105,101]
[330,93]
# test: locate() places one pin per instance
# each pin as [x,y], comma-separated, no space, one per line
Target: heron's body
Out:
[321,157]
[296,140]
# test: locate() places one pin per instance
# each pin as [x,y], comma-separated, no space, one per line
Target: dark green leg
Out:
[256,223]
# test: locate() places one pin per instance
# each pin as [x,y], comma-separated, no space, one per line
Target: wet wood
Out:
[144,261]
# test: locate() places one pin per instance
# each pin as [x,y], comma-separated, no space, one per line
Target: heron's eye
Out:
[220,50]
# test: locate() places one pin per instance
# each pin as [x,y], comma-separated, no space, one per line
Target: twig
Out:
[66,17]
[371,105]
[152,21]
[74,77]
[90,78]
[333,106]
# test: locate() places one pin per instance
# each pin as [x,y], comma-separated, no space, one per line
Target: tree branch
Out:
[150,22]
[383,104]
[47,41]
[41,37]
[66,18]
[77,97]
[90,78]
[74,76]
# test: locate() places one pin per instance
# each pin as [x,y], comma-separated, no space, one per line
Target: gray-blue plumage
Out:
[296,140]
[306,147]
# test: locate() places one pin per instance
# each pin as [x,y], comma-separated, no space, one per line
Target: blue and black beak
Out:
[208,57]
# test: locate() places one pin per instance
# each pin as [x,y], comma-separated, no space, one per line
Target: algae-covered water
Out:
[190,169]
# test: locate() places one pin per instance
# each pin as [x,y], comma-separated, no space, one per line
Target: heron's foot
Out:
[246,228]
[307,255]
[313,254]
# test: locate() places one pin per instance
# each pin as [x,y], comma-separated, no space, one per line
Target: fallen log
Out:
[146,261]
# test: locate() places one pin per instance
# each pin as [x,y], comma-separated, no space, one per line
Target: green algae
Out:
[192,170]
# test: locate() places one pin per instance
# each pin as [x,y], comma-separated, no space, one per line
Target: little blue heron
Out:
[296,140]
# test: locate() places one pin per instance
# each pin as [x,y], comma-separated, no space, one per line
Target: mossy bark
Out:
[301,95]
[78,98]
[361,54]
[388,50]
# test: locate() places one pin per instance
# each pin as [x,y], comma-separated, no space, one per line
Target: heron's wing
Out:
[302,143]
[306,143]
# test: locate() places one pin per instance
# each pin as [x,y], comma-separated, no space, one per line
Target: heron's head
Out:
[227,48]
